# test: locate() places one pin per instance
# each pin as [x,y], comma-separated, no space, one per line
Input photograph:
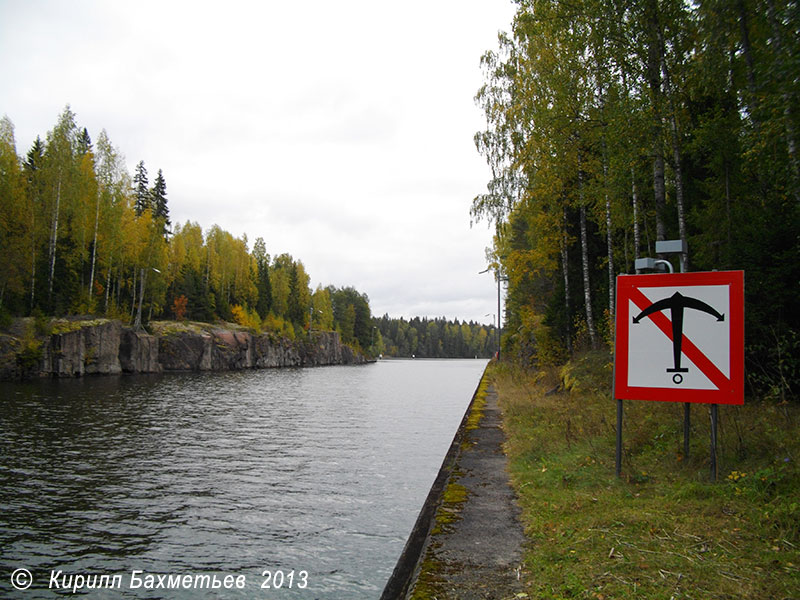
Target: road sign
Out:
[680,337]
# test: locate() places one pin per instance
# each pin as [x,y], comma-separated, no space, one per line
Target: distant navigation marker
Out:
[676,305]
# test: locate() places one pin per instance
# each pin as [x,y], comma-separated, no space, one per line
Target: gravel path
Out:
[479,554]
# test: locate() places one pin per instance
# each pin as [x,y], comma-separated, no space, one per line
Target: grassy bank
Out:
[663,530]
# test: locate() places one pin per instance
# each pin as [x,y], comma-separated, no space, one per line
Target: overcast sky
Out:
[340,131]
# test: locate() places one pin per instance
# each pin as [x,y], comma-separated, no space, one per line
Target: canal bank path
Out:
[473,549]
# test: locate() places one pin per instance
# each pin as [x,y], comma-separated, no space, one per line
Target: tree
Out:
[359,318]
[321,310]
[35,186]
[158,200]
[295,310]
[111,203]
[347,323]
[279,278]
[141,191]
[179,306]
[438,338]
[263,285]
[15,222]
[611,125]
[62,200]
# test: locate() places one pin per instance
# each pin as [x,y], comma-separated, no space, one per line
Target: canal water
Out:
[296,483]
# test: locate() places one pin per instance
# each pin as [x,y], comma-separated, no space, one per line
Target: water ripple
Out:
[322,470]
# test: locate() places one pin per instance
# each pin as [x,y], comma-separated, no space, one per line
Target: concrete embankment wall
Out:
[397,587]
[105,346]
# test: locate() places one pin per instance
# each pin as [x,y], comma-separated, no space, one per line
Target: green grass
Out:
[662,530]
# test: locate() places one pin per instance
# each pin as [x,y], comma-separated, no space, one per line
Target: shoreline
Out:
[82,347]
[468,534]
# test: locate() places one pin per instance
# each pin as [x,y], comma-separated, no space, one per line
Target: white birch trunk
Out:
[587,290]
[676,155]
[565,270]
[635,201]
[94,245]
[609,244]
[54,238]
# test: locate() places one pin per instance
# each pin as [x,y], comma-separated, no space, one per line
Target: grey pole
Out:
[499,315]
[687,406]
[687,418]
[497,274]
[714,417]
[679,247]
[619,438]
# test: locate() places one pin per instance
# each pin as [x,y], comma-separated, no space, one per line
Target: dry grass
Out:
[663,530]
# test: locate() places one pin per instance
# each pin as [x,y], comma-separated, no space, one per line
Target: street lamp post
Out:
[499,314]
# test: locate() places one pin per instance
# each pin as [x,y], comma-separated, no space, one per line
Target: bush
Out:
[179,306]
[41,323]
[246,317]
[279,326]
[5,319]
[774,365]
[30,351]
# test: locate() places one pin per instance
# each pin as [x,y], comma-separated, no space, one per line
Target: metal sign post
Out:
[680,248]
[714,442]
[619,438]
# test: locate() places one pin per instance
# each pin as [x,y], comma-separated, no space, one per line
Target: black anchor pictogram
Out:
[676,304]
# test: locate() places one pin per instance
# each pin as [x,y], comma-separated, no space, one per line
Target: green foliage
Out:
[81,236]
[322,310]
[42,325]
[653,120]
[246,317]
[588,373]
[158,198]
[5,319]
[436,338]
[29,351]
[144,199]
[263,285]
[775,365]
[352,316]
[279,326]
[29,354]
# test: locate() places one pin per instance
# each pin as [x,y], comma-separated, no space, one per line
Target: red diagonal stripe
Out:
[688,349]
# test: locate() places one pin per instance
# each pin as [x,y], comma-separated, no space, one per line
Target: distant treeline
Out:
[79,235]
[437,338]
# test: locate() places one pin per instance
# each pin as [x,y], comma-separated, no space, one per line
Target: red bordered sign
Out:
[680,337]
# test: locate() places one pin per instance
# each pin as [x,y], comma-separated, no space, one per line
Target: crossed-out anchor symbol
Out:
[676,304]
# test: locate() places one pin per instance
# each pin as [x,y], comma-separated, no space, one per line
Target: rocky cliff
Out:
[102,346]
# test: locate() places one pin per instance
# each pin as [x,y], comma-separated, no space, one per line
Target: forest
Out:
[80,236]
[611,124]
[436,338]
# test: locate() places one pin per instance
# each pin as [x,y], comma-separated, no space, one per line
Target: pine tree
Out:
[141,191]
[83,142]
[33,165]
[263,285]
[158,199]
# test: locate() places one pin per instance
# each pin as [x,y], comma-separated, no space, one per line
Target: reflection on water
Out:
[322,470]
